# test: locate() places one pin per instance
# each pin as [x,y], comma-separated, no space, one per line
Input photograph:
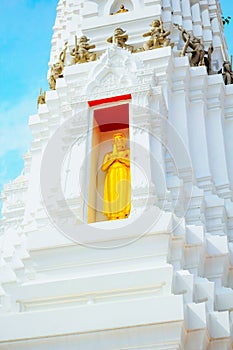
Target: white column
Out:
[177,113]
[196,16]
[177,14]
[228,130]
[157,149]
[179,164]
[166,11]
[187,16]
[215,136]
[220,51]
[140,152]
[196,127]
[207,33]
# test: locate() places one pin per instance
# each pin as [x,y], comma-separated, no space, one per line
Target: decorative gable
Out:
[117,68]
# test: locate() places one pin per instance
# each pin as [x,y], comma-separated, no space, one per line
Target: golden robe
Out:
[117,189]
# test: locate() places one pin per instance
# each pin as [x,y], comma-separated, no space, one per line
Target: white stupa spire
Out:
[161,278]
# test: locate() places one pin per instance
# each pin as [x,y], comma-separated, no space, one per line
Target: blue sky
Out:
[25,35]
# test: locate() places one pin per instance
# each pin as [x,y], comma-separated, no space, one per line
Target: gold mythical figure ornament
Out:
[81,53]
[57,69]
[227,73]
[117,188]
[199,56]
[158,36]
[119,38]
[198,51]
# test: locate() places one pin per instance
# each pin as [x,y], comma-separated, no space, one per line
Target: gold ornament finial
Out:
[41,98]
[122,9]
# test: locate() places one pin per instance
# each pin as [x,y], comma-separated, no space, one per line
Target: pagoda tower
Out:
[119,232]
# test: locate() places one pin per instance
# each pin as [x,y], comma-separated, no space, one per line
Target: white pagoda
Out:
[160,278]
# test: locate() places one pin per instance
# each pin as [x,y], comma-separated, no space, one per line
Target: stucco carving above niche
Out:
[116,68]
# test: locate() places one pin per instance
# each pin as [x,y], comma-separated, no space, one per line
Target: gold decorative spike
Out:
[117,186]
[158,36]
[81,53]
[41,98]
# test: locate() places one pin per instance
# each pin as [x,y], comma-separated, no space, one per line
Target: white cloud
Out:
[14,138]
[3,171]
[17,113]
[14,131]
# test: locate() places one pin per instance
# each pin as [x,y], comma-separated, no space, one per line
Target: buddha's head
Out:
[120,141]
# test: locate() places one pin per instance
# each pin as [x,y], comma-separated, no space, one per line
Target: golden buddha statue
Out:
[117,188]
